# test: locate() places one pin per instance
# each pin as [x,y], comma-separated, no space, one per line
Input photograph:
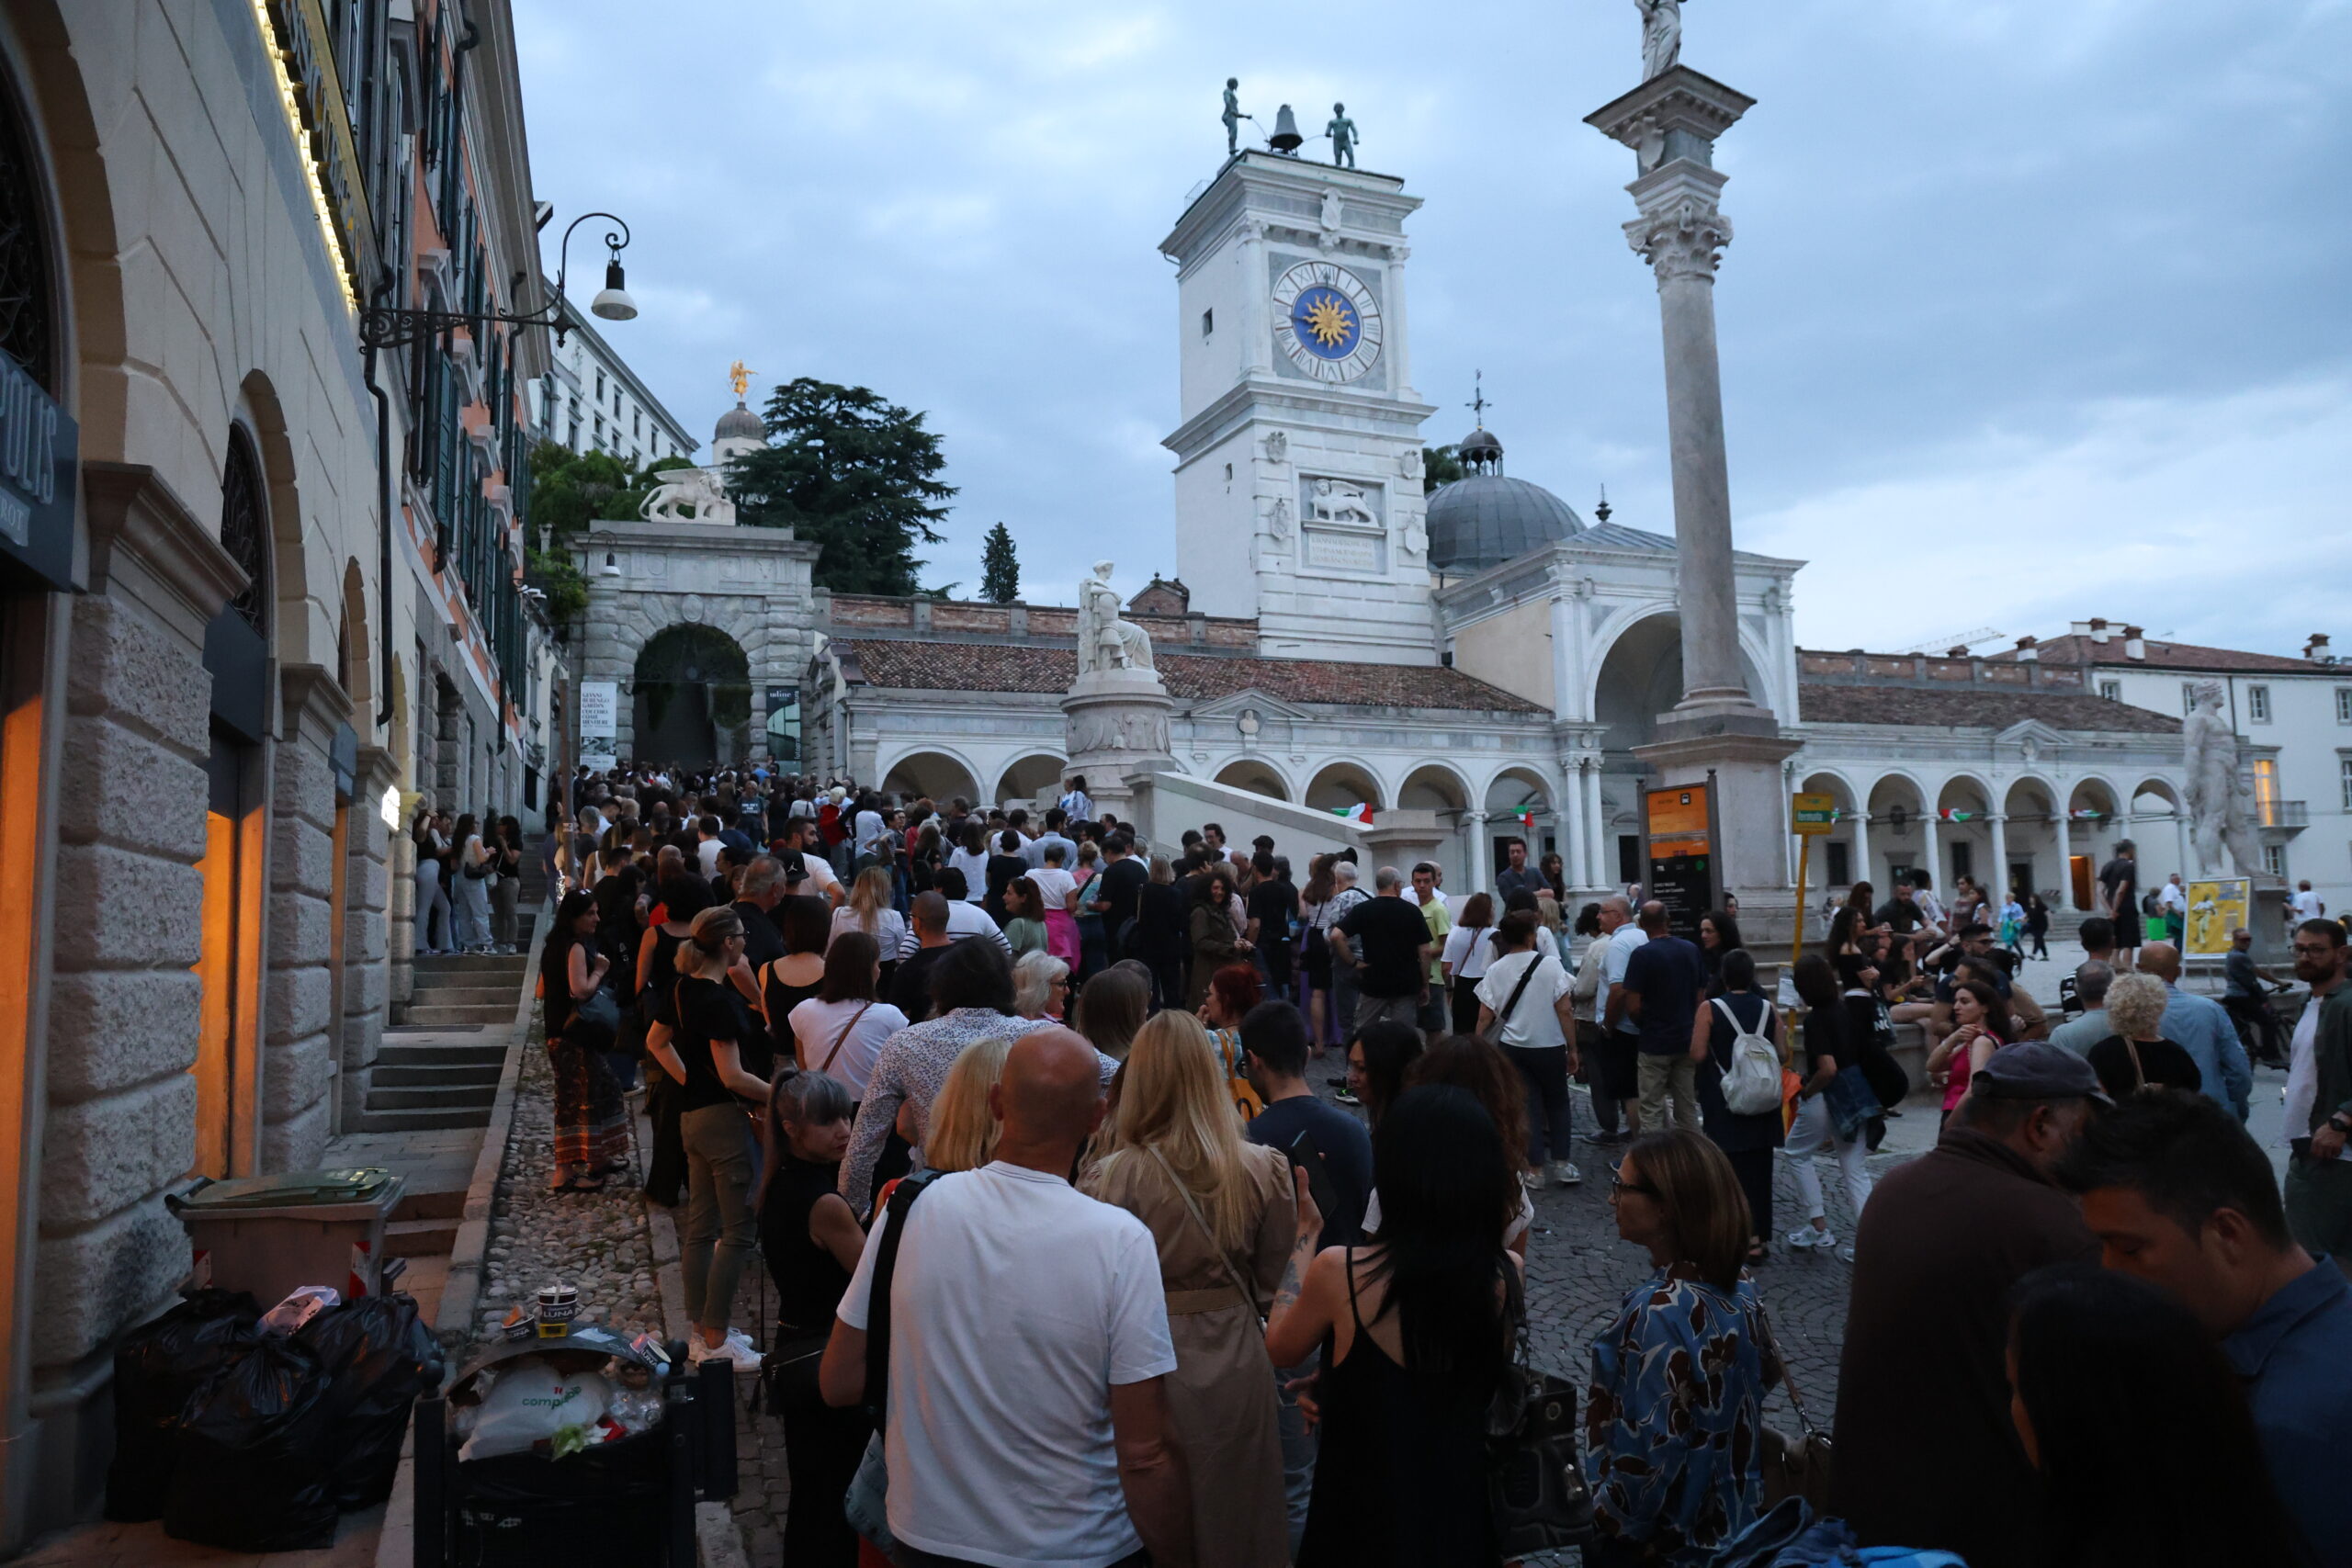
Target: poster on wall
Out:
[784,723]
[1682,854]
[599,762]
[600,704]
[2218,906]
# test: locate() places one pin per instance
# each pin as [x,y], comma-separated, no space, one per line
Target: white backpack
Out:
[1752,1082]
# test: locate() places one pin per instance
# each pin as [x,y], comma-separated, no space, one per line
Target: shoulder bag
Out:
[1517,991]
[1799,1466]
[842,1038]
[1193,1207]
[1535,1491]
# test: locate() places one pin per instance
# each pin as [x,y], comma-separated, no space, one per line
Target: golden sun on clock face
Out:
[1326,321]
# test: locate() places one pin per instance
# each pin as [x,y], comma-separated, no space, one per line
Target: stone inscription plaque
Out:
[1332,550]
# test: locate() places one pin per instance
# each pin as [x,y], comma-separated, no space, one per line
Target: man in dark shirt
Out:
[1386,941]
[2097,937]
[2241,995]
[1519,876]
[1123,875]
[2119,891]
[1923,1435]
[1663,979]
[911,988]
[761,891]
[2179,1194]
[1273,901]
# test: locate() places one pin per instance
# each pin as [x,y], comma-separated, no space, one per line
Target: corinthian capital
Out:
[1681,239]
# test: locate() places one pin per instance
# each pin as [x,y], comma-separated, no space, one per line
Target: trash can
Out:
[266,1234]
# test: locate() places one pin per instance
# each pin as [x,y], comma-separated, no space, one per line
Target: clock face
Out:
[1326,321]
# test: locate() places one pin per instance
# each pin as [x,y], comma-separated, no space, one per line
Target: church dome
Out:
[740,423]
[1483,520]
[1479,448]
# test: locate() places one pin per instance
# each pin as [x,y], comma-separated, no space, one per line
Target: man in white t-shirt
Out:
[2307,905]
[822,883]
[1027,1409]
[1615,1084]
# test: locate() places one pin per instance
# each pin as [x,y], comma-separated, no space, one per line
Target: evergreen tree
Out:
[852,474]
[570,491]
[999,568]
[1438,467]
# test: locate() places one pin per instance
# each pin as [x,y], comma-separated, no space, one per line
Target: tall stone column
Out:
[2000,880]
[1479,876]
[1861,866]
[1671,122]
[1931,853]
[2065,862]
[1596,822]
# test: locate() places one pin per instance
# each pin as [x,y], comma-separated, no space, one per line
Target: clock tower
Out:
[1299,460]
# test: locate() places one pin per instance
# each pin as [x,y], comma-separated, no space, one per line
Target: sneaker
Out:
[1565,1174]
[1846,1253]
[737,1350]
[1532,1180]
[1606,1140]
[1344,1097]
[1805,1235]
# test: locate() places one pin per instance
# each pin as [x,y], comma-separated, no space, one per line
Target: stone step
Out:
[433,1055]
[434,1237]
[431,1015]
[443,994]
[445,1203]
[422,1121]
[444,1097]
[512,965]
[434,1075]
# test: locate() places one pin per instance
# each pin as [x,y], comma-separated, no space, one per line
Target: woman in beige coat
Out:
[1225,1214]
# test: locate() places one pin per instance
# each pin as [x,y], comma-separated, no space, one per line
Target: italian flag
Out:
[1523,815]
[2086,814]
[1359,813]
[1949,814]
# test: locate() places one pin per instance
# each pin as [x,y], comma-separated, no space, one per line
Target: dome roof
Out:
[1480,445]
[1483,520]
[741,423]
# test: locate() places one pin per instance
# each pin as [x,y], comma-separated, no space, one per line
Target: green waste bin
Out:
[269,1234]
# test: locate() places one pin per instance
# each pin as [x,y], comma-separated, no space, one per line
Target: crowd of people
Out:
[468,882]
[1077,1265]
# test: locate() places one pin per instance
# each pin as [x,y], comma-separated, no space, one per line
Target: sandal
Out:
[591,1184]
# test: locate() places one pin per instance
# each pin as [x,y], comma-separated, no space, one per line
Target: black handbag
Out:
[1535,1491]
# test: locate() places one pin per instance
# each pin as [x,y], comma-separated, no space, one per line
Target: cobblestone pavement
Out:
[597,1242]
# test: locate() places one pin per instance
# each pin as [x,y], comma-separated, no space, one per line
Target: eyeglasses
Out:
[1618,1185]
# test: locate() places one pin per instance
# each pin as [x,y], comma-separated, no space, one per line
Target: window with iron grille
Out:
[245,529]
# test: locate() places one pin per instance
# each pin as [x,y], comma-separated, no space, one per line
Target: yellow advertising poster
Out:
[2216,907]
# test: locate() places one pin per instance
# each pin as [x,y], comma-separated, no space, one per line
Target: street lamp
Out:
[383,326]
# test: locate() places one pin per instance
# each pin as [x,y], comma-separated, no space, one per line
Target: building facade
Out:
[258,597]
[591,401]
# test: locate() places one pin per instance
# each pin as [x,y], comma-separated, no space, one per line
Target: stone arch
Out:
[354,649]
[86,287]
[690,698]
[1025,779]
[1516,785]
[1338,785]
[2158,787]
[1639,673]
[1987,795]
[302,620]
[1434,786]
[1256,775]
[933,770]
[2093,792]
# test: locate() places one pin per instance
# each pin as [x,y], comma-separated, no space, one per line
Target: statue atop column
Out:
[1342,132]
[1661,36]
[1233,116]
[2216,800]
[1105,642]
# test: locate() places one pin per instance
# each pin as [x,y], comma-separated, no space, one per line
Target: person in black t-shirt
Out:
[1273,898]
[1317,1137]
[1123,875]
[700,1055]
[2119,883]
[1387,942]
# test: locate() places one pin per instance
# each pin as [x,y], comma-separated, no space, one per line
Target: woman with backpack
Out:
[1724,1045]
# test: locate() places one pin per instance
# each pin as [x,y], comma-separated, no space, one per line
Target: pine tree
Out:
[852,474]
[999,568]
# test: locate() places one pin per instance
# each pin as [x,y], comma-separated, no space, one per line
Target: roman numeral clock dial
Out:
[1326,322]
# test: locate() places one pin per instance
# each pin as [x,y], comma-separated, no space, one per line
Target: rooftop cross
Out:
[1478,404]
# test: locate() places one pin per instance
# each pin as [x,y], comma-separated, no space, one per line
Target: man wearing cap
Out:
[1923,1432]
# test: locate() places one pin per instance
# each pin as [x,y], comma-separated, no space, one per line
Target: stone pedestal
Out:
[1751,817]
[1403,838]
[1115,723]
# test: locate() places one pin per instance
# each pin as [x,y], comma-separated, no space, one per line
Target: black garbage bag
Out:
[378,1356]
[156,1367]
[255,1462]
[602,1508]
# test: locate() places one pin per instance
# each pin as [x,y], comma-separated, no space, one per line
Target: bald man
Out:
[2202,1027]
[1012,1292]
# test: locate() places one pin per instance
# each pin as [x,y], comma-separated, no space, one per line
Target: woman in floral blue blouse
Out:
[1673,1420]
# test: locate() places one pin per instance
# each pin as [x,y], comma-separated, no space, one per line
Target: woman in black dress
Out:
[1419,1324]
[812,1242]
[591,1119]
[1161,937]
[1747,1141]
[1005,862]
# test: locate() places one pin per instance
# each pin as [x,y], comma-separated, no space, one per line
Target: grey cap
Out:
[2035,1070]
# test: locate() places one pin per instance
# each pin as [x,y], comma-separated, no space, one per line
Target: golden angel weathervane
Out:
[738,377]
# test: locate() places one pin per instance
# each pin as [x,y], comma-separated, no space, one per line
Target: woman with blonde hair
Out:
[960,1133]
[1040,986]
[1224,1215]
[868,910]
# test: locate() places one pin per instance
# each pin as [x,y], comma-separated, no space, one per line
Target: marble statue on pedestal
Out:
[2216,799]
[688,495]
[1661,36]
[1105,641]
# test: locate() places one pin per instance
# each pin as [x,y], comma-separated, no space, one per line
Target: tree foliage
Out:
[999,568]
[1440,466]
[851,473]
[569,491]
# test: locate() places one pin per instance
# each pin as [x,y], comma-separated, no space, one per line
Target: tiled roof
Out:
[1974,708]
[908,665]
[2076,650]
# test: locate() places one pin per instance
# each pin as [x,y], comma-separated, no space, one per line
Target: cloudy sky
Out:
[2037,312]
